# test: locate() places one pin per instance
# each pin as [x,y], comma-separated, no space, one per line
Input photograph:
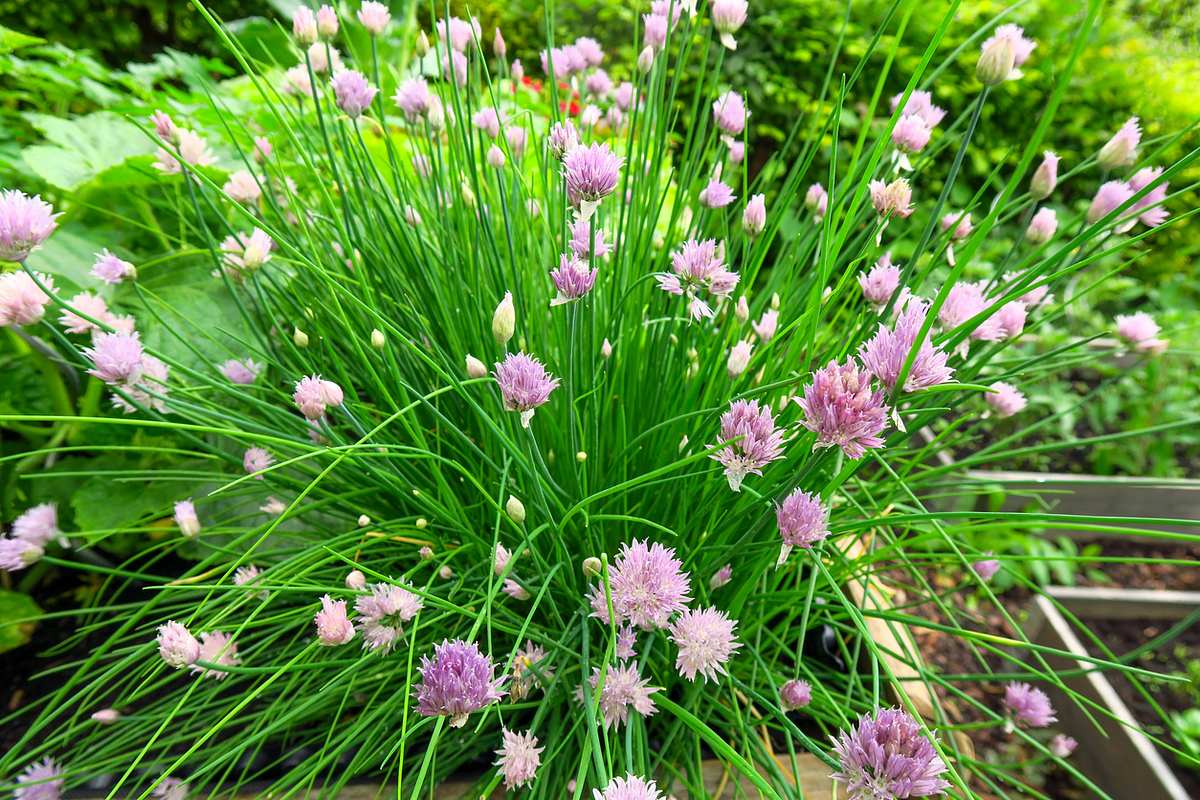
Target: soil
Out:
[1148,576]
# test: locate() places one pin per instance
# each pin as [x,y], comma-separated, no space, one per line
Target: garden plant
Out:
[459,416]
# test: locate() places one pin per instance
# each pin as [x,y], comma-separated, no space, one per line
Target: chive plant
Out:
[542,441]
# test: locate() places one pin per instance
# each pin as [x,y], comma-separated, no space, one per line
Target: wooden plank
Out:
[1092,602]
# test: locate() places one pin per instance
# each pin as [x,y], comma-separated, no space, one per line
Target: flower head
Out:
[1062,746]
[583,231]
[623,689]
[304,25]
[218,649]
[754,218]
[87,305]
[795,694]
[887,756]
[1149,208]
[518,758]
[524,384]
[1003,54]
[816,200]
[191,149]
[573,279]
[1121,149]
[880,282]
[729,112]
[530,668]
[313,395]
[459,33]
[887,351]
[37,524]
[242,372]
[171,789]
[1109,197]
[631,787]
[256,459]
[17,554]
[698,267]
[728,17]
[414,99]
[242,188]
[22,301]
[382,614]
[958,224]
[487,119]
[1042,227]
[333,625]
[892,199]
[1140,330]
[1045,177]
[25,222]
[457,681]
[843,409]
[803,521]
[186,519]
[767,325]
[716,194]
[1005,399]
[648,586]
[706,641]
[1028,705]
[116,357]
[176,645]
[758,443]
[911,133]
[920,104]
[986,568]
[374,17]
[353,91]
[562,139]
[111,269]
[41,780]
[591,175]
[721,577]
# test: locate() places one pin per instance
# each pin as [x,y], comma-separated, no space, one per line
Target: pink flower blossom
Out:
[887,755]
[623,689]
[816,200]
[304,25]
[242,372]
[1063,746]
[716,194]
[591,175]
[242,188]
[1149,208]
[911,133]
[630,787]
[1042,227]
[843,409]
[729,112]
[572,279]
[176,645]
[333,625]
[887,351]
[803,521]
[89,305]
[1028,705]
[721,577]
[524,384]
[41,780]
[986,568]
[795,694]
[1121,149]
[1109,197]
[758,443]
[766,326]
[457,681]
[255,460]
[958,224]
[186,519]
[697,267]
[354,92]
[728,17]
[920,104]
[582,246]
[375,16]
[38,524]
[382,614]
[314,394]
[117,358]
[518,758]
[22,301]
[880,283]
[1045,177]
[892,199]
[111,269]
[414,99]
[1140,330]
[647,584]
[218,649]
[706,641]
[754,218]
[1005,399]
[25,222]
[17,554]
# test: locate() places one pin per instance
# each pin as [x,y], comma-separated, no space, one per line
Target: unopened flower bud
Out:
[996,62]
[356,580]
[592,567]
[422,523]
[106,716]
[300,338]
[363,521]
[504,321]
[422,44]
[475,367]
[515,509]
[425,553]
[581,456]
[645,60]
[606,349]
[378,340]
[445,573]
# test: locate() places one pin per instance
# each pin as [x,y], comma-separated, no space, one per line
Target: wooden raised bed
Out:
[1113,751]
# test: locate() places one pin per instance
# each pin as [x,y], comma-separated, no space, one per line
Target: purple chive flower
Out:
[500,558]
[795,694]
[654,31]
[262,149]
[327,21]
[1042,227]
[1005,399]
[843,409]
[581,240]
[495,157]
[459,33]
[881,282]
[242,188]
[986,568]
[1045,177]
[1121,149]
[296,83]
[111,269]
[697,267]
[1028,706]
[333,625]
[88,305]
[920,104]
[721,577]
[958,224]
[911,133]
[963,301]
[1149,207]
[353,91]
[562,139]
[116,357]
[728,17]
[304,25]
[766,326]
[754,218]
[105,716]
[374,17]
[630,787]
[457,681]
[454,64]
[1109,197]
[623,689]
[22,301]
[176,645]
[1062,746]
[591,174]
[25,222]
[626,642]
[321,56]
[590,50]
[17,554]
[892,199]
[706,641]
[729,112]
[192,149]
[1140,330]
[219,649]
[758,443]
[242,372]
[186,519]
[488,121]
[816,200]
[314,394]
[884,354]
[599,84]
[737,151]
[382,613]
[623,96]
[518,758]
[244,253]
[716,194]
[648,586]
[1006,323]
[41,780]
[38,525]
[803,521]
[246,574]
[164,126]
[888,756]
[255,460]
[524,384]
[515,590]
[573,279]
[1003,54]
[517,137]
[414,99]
